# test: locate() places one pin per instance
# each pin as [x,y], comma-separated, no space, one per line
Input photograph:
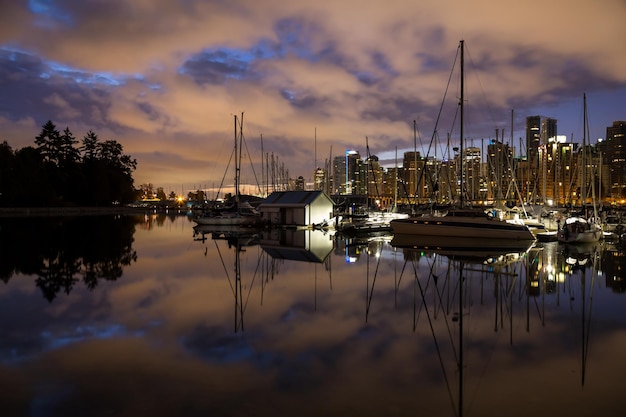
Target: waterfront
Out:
[139,315]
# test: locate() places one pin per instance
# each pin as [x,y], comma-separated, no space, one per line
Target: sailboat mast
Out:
[236,163]
[367,174]
[262,164]
[583,187]
[415,194]
[395,183]
[461,103]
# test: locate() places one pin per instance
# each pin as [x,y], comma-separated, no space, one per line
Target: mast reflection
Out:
[238,239]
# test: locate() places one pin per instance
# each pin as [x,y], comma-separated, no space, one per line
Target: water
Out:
[129,316]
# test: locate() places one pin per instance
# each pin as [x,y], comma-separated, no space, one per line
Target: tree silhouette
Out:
[58,173]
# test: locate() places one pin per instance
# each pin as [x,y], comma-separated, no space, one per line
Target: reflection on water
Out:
[177,320]
[61,252]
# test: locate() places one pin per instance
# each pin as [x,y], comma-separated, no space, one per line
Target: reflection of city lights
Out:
[561,277]
[350,259]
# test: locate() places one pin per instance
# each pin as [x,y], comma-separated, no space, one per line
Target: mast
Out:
[461,103]
[395,184]
[461,313]
[262,168]
[367,174]
[236,163]
[415,194]
[583,187]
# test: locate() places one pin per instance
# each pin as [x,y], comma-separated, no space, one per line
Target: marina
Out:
[152,314]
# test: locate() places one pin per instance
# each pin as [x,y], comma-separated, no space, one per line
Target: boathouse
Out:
[297,208]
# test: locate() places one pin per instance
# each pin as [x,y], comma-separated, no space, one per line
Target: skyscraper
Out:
[533,138]
[548,130]
[613,150]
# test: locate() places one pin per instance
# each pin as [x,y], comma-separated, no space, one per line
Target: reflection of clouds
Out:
[217,346]
[16,347]
[161,341]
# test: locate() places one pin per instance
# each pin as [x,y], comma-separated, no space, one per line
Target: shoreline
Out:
[70,211]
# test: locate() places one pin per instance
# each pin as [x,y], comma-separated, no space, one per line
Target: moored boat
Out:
[237,212]
[462,223]
[579,230]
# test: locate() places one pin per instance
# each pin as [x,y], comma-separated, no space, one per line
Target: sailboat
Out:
[237,213]
[463,222]
[579,229]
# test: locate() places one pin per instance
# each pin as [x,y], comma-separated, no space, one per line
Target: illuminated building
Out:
[613,150]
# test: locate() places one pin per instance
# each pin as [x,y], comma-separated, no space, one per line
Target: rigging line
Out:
[525,266]
[397,279]
[401,274]
[509,307]
[434,335]
[371,294]
[430,178]
[256,179]
[445,316]
[482,90]
[440,112]
[417,314]
[224,266]
[219,190]
[256,272]
[443,100]
[543,323]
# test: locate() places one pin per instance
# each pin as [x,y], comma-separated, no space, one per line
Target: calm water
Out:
[139,316]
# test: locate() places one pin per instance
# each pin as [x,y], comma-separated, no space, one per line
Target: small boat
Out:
[579,230]
[374,222]
[549,236]
[240,214]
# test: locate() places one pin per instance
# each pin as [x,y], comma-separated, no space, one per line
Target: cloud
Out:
[168,76]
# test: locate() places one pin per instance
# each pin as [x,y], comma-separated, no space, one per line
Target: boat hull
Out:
[228,220]
[588,236]
[448,226]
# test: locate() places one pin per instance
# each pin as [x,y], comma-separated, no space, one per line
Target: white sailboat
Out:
[577,229]
[238,213]
[462,223]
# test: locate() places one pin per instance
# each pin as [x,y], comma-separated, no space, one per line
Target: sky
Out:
[165,78]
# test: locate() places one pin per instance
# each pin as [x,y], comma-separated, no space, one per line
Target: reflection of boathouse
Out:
[297,208]
[297,245]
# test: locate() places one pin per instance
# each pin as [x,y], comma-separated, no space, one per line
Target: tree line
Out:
[60,170]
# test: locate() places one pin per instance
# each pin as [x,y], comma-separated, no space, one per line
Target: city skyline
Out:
[165,78]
